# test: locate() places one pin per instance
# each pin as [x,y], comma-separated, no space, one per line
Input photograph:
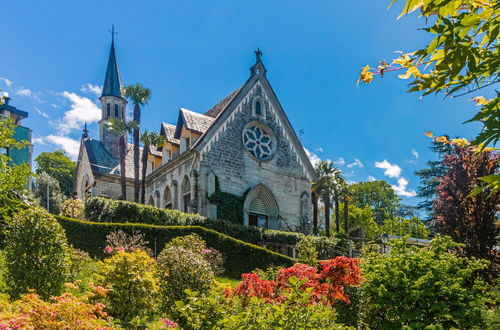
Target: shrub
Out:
[239,257]
[194,243]
[36,253]
[420,288]
[306,251]
[72,208]
[214,311]
[79,264]
[130,278]
[63,312]
[180,269]
[119,240]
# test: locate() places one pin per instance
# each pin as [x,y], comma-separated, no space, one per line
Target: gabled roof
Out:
[102,162]
[168,131]
[219,107]
[112,82]
[193,121]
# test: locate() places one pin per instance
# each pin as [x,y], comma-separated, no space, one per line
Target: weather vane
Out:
[112,31]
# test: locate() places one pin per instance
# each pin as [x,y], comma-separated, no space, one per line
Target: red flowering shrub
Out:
[325,286]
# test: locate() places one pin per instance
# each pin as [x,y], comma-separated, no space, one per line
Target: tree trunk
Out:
[315,212]
[137,119]
[123,178]
[327,213]
[346,215]
[145,153]
[337,213]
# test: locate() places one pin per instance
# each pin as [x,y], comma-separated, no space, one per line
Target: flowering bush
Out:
[63,312]
[130,278]
[36,254]
[73,208]
[213,311]
[118,240]
[196,244]
[326,286]
[180,269]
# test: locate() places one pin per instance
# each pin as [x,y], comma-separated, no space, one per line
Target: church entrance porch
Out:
[260,208]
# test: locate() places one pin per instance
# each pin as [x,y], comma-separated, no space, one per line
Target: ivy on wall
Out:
[229,206]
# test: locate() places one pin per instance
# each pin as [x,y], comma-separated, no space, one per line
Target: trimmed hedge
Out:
[240,257]
[101,209]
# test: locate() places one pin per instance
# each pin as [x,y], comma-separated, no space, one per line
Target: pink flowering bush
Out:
[121,241]
[62,312]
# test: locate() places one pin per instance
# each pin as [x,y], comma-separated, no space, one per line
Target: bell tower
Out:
[113,105]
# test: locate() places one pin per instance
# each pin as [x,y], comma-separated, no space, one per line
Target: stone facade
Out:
[243,146]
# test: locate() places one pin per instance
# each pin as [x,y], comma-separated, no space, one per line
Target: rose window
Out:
[258,141]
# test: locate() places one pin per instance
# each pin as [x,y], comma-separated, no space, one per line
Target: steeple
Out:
[112,81]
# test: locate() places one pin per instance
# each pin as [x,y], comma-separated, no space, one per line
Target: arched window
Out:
[151,201]
[258,110]
[186,194]
[116,110]
[167,198]
[108,110]
[304,207]
[261,209]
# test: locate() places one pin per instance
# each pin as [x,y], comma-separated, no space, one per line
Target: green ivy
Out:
[229,206]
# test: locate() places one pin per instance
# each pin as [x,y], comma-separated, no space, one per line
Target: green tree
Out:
[139,96]
[149,140]
[422,287]
[327,185]
[379,195]
[36,253]
[120,126]
[462,58]
[45,187]
[58,166]
[361,218]
[429,177]
[400,226]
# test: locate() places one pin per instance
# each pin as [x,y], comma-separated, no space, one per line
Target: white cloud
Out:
[340,161]
[371,178]
[38,140]
[318,149]
[400,189]
[415,153]
[82,110]
[356,163]
[41,113]
[6,81]
[25,92]
[94,89]
[315,160]
[391,170]
[71,146]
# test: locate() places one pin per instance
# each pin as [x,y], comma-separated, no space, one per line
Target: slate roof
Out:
[112,81]
[168,131]
[219,107]
[101,160]
[155,151]
[194,121]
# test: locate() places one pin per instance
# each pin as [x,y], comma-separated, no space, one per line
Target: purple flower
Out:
[206,251]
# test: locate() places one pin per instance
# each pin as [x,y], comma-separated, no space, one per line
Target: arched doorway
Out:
[167,198]
[260,208]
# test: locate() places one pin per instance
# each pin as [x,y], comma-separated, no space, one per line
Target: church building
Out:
[241,159]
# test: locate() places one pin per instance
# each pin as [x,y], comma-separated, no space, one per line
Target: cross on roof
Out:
[112,31]
[258,54]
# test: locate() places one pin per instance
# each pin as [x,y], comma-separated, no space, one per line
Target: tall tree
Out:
[462,58]
[48,193]
[470,215]
[429,177]
[379,195]
[58,165]
[120,126]
[328,181]
[148,139]
[139,96]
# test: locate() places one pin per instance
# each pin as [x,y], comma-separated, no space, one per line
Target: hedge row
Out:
[240,257]
[101,209]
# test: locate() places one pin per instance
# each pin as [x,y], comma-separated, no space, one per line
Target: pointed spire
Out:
[258,68]
[85,134]
[112,81]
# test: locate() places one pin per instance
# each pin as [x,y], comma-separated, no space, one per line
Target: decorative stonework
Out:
[259,141]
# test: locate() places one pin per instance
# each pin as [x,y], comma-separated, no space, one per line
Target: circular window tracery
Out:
[258,141]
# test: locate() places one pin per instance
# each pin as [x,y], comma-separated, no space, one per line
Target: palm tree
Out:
[339,187]
[121,127]
[148,139]
[139,96]
[327,182]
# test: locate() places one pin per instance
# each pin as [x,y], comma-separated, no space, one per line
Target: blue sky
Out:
[191,54]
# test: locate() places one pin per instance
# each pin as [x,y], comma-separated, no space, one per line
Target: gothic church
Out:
[243,147]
